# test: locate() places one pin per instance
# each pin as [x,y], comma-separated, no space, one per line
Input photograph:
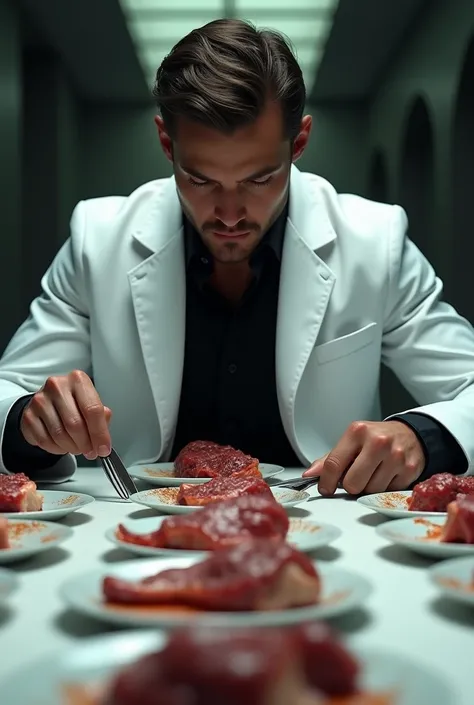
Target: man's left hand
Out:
[371,457]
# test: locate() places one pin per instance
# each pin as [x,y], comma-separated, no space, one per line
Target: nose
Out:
[229,209]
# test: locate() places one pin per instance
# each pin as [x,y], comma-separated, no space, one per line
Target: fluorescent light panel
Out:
[156,26]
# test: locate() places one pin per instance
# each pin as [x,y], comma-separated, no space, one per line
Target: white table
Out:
[403,614]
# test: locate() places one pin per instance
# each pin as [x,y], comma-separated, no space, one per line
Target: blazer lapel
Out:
[306,283]
[158,287]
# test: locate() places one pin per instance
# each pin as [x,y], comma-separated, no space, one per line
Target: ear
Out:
[302,138]
[165,139]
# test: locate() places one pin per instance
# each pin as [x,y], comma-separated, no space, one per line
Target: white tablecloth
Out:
[404,613]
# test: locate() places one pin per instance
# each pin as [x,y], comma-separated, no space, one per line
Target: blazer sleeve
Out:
[427,344]
[54,339]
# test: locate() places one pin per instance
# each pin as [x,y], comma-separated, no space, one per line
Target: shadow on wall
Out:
[378,178]
[416,186]
[463,187]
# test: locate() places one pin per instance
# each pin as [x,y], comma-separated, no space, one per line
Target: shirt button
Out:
[232,368]
[204,260]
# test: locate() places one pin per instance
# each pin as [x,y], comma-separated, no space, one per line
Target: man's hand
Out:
[371,457]
[67,416]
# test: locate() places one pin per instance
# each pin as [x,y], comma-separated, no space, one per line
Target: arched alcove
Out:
[378,178]
[463,189]
[416,179]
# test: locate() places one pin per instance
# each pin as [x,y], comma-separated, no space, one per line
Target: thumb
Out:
[315,468]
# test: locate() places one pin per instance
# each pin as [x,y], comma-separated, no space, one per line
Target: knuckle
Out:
[358,428]
[411,466]
[73,423]
[380,441]
[398,455]
[332,464]
[78,376]
[54,384]
[94,409]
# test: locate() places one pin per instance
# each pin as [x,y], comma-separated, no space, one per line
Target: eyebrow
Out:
[256,175]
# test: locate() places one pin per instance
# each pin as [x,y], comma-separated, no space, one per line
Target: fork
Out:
[118,475]
[298,484]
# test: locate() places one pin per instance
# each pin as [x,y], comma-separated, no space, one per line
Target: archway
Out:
[416,190]
[378,178]
[463,189]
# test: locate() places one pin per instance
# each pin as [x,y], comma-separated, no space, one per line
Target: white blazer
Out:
[354,290]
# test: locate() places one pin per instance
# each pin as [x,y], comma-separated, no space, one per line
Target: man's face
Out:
[233,187]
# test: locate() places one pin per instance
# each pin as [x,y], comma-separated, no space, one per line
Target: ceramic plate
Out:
[342,591]
[455,579]
[393,505]
[304,534]
[162,474]
[30,537]
[56,505]
[8,584]
[422,536]
[96,659]
[164,500]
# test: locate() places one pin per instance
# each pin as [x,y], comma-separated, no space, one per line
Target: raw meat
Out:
[459,527]
[222,488]
[255,575]
[329,667]
[217,525]
[208,459]
[434,494]
[203,666]
[18,494]
[4,539]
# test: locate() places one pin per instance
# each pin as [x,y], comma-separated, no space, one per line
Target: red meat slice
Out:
[4,539]
[222,488]
[255,575]
[218,525]
[459,527]
[434,494]
[208,459]
[19,494]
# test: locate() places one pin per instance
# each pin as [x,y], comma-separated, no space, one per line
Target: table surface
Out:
[404,613]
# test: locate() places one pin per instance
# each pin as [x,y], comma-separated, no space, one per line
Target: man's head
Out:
[231,100]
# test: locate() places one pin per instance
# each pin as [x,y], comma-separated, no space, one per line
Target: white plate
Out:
[304,534]
[415,535]
[162,474]
[455,579]
[56,505]
[394,505]
[163,499]
[342,591]
[28,538]
[8,584]
[97,659]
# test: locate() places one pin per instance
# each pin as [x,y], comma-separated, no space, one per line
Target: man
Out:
[241,301]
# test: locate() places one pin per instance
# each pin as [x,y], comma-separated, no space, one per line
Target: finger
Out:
[315,468]
[397,484]
[338,461]
[381,478]
[93,412]
[47,413]
[73,422]
[36,434]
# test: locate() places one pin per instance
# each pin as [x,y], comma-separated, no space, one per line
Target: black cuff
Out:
[442,451]
[18,454]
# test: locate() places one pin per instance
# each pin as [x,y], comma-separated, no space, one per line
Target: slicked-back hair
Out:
[222,75]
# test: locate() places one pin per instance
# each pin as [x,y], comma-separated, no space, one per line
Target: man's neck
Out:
[231,280]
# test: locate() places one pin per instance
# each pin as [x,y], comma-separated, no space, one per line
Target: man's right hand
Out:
[67,416]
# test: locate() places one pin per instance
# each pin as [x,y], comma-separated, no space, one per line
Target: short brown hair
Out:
[221,75]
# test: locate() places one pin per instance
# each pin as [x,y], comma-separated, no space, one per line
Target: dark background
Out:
[393,107]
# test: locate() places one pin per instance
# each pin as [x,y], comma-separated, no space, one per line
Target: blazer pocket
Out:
[346,345]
